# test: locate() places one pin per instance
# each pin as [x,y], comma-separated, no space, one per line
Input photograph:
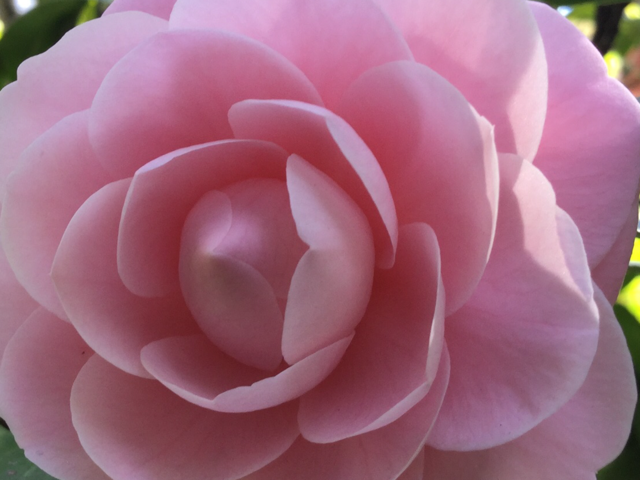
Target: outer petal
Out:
[192,368]
[492,52]
[15,303]
[574,443]
[394,357]
[379,455]
[174,91]
[113,321]
[439,159]
[332,283]
[159,8]
[329,144]
[163,192]
[35,214]
[523,344]
[591,142]
[332,41]
[75,67]
[37,372]
[136,429]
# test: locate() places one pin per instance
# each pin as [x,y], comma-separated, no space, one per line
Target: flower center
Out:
[238,253]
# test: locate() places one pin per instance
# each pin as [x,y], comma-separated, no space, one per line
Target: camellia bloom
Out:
[319,240]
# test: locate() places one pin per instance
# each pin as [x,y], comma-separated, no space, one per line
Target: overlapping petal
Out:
[136,428]
[35,214]
[331,145]
[588,121]
[198,372]
[15,303]
[393,360]
[152,103]
[163,192]
[333,42]
[575,442]
[112,320]
[440,161]
[75,68]
[379,455]
[331,285]
[195,369]
[415,470]
[520,349]
[38,370]
[465,42]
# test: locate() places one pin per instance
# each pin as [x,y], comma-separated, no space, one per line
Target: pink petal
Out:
[287,385]
[15,303]
[523,344]
[379,455]
[198,372]
[583,436]
[591,142]
[159,8]
[610,272]
[74,68]
[113,321]
[137,429]
[332,41]
[38,369]
[415,470]
[331,286]
[492,52]
[448,173]
[331,145]
[232,302]
[35,215]
[163,192]
[262,231]
[152,102]
[195,369]
[394,357]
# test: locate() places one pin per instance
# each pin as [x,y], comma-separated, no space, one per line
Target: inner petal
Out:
[331,286]
[239,250]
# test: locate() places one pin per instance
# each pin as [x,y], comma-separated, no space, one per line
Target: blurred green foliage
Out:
[39,29]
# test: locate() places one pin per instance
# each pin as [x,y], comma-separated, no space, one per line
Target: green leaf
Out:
[35,33]
[13,463]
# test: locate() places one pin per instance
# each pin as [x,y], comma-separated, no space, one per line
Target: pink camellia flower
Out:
[317,240]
